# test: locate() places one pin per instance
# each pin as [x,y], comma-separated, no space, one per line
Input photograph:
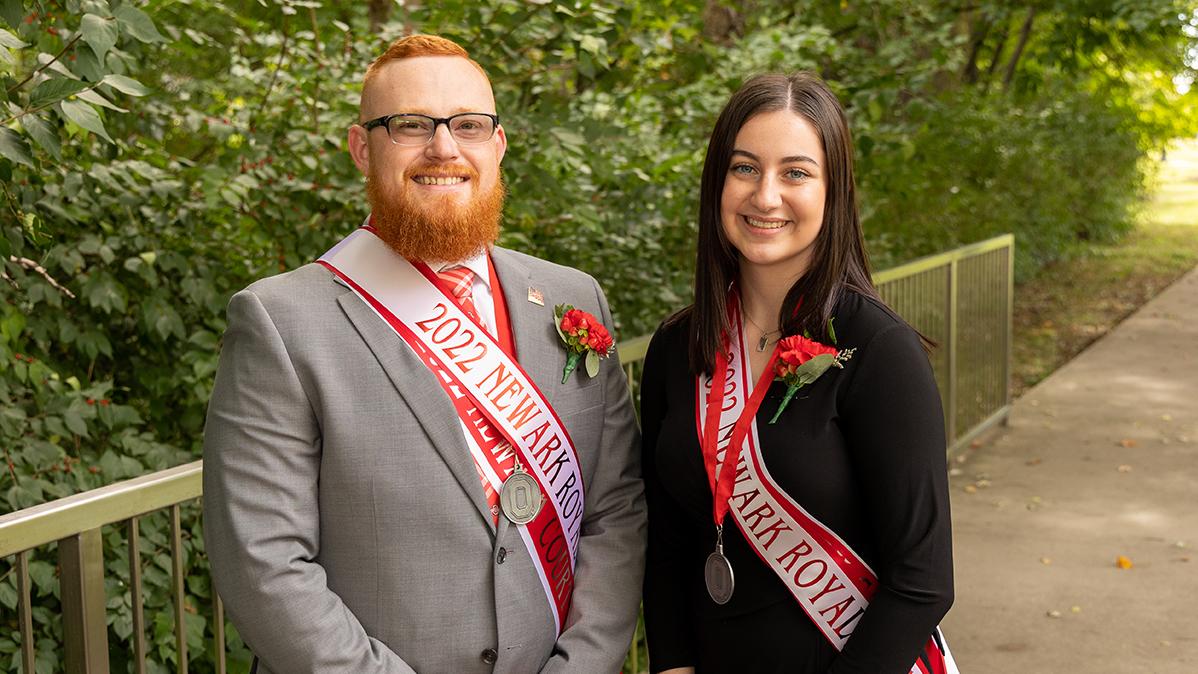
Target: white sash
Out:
[827,578]
[486,385]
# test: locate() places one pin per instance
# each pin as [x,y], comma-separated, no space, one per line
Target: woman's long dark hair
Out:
[838,259]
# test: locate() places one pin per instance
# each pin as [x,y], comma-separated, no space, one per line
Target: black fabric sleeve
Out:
[894,430]
[665,596]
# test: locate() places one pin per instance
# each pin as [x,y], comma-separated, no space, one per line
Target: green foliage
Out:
[152,164]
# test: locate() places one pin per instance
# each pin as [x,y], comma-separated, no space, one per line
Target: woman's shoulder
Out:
[860,318]
[675,328]
[671,339]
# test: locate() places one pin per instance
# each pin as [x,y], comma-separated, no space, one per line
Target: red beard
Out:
[434,228]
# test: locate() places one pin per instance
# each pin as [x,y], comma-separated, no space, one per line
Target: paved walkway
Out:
[1100,461]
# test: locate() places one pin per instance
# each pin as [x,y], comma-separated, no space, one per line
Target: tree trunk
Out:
[721,23]
[1023,38]
[379,11]
[977,37]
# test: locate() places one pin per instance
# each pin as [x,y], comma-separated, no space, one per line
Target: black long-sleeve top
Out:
[861,449]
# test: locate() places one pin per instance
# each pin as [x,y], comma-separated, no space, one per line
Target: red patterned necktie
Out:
[461,283]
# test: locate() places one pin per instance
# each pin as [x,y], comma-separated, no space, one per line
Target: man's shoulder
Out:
[303,285]
[540,267]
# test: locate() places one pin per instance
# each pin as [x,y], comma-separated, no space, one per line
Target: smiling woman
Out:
[826,452]
[773,200]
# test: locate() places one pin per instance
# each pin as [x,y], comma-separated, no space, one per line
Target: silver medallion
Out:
[520,497]
[717,573]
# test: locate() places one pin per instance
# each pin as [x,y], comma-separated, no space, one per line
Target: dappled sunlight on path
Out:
[1175,201]
[1100,462]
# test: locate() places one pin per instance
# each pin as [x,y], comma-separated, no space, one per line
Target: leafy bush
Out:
[153,163]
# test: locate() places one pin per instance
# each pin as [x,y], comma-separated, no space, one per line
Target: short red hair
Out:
[418,45]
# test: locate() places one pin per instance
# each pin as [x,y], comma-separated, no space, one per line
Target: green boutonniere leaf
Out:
[592,363]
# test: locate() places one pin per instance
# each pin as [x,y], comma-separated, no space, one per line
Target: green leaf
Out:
[8,596]
[42,575]
[559,311]
[812,369]
[831,329]
[138,24]
[592,364]
[91,96]
[14,148]
[99,33]
[11,41]
[43,134]
[75,422]
[85,116]
[53,91]
[12,12]
[125,85]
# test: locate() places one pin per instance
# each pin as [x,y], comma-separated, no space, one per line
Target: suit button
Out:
[489,656]
[501,555]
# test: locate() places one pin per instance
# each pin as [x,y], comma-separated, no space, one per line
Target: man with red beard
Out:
[396,477]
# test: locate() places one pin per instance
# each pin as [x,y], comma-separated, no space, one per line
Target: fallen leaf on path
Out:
[1166,643]
[1128,443]
[1123,562]
[1053,614]
[1033,462]
[970,489]
[976,444]
[1166,417]
[1124,468]
[1075,609]
[1046,561]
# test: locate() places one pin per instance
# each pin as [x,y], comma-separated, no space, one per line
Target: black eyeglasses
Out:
[465,127]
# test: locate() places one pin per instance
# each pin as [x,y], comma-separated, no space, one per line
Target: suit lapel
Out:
[414,382]
[532,324]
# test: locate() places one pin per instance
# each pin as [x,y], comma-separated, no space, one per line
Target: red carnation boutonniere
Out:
[584,336]
[802,361]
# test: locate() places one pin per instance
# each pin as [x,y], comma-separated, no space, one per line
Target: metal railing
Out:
[961,299]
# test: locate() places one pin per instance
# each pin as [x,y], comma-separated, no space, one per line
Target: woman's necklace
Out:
[765,336]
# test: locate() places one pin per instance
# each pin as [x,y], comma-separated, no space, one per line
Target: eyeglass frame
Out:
[385,120]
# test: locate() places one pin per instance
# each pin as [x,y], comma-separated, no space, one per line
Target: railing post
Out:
[950,414]
[81,582]
[1010,324]
[25,614]
[177,585]
[135,596]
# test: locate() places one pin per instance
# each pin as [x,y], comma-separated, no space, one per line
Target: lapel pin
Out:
[535,296]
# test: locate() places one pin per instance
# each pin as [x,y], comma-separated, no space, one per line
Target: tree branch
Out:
[316,78]
[30,265]
[978,33]
[47,64]
[1024,34]
[43,107]
[273,77]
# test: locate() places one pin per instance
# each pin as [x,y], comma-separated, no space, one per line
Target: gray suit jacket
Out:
[343,516]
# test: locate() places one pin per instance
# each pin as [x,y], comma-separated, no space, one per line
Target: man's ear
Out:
[359,148]
[501,136]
